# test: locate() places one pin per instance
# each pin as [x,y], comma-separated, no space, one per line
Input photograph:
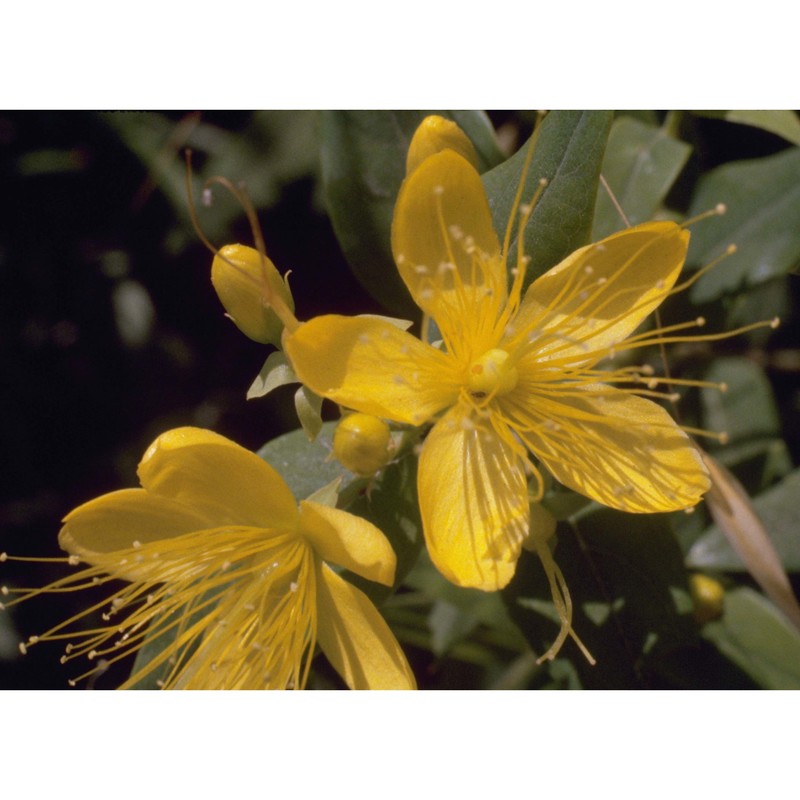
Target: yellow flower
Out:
[516,375]
[218,554]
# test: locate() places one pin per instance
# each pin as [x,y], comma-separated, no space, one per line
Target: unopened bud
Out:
[708,596]
[435,134]
[247,284]
[361,444]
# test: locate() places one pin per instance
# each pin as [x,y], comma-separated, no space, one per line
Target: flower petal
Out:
[474,502]
[119,521]
[372,366]
[350,541]
[356,639]
[445,244]
[217,478]
[619,449]
[601,293]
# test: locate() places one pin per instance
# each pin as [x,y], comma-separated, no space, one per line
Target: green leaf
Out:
[273,149]
[363,164]
[763,201]
[780,513]
[747,410]
[449,625]
[631,605]
[640,165]
[468,608]
[569,153]
[765,301]
[275,372]
[391,504]
[306,466]
[782,123]
[756,637]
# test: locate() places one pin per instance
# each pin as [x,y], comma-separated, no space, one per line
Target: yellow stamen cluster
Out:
[237,607]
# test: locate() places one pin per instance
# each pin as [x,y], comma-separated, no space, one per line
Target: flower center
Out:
[492,374]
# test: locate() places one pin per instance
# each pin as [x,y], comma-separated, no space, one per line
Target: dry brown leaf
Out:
[733,512]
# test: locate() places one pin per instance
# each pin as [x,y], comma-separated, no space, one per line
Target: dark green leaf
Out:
[763,221]
[779,511]
[754,635]
[569,153]
[363,165]
[782,123]
[640,165]
[628,585]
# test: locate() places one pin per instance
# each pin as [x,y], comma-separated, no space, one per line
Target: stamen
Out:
[718,210]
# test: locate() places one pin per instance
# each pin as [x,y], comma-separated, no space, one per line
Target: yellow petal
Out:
[122,520]
[445,245]
[372,366]
[219,479]
[619,449]
[244,283]
[356,639]
[601,293]
[474,502]
[435,134]
[350,541]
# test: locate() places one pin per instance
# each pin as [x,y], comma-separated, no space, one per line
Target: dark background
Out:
[111,333]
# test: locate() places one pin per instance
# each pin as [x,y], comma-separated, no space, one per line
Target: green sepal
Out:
[275,372]
[309,411]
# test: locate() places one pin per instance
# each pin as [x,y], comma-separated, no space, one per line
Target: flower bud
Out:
[247,284]
[708,596]
[435,134]
[361,444]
